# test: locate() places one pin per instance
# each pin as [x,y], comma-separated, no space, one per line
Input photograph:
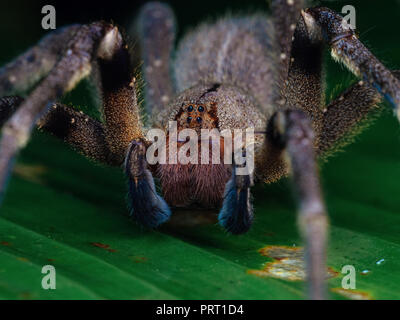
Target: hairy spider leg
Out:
[302,89]
[345,47]
[75,65]
[156,30]
[295,139]
[83,133]
[236,214]
[100,45]
[22,73]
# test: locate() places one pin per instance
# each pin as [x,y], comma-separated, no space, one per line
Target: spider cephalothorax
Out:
[187,184]
[204,108]
[240,72]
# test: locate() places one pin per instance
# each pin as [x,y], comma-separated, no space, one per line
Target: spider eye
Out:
[189,119]
[200,108]
[190,109]
[199,120]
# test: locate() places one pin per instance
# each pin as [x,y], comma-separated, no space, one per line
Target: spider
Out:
[245,71]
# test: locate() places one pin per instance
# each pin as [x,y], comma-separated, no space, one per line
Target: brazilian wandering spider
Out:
[239,72]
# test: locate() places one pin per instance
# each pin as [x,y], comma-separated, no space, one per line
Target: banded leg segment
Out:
[124,134]
[325,24]
[344,114]
[22,73]
[296,137]
[285,16]
[317,28]
[304,86]
[84,134]
[120,106]
[75,65]
[156,27]
[122,119]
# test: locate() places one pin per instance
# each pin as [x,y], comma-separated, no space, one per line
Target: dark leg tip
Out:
[236,215]
[146,206]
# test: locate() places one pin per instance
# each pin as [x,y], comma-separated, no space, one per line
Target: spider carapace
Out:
[241,71]
[201,107]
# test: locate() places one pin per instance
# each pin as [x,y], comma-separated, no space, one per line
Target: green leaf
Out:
[65,211]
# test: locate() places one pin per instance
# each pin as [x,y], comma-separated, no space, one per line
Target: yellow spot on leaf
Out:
[352,294]
[288,264]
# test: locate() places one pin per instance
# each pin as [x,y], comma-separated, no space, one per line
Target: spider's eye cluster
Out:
[194,111]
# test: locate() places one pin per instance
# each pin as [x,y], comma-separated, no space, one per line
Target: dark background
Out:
[20,20]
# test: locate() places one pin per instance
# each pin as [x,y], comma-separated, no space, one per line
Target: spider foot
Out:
[236,215]
[146,206]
